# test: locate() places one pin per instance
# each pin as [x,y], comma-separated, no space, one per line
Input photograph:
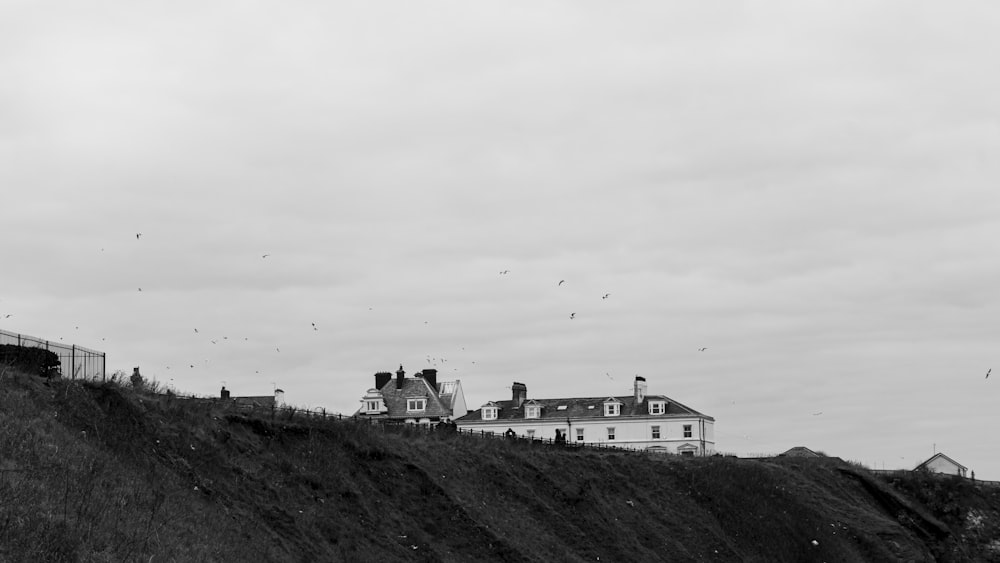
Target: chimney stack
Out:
[431,376]
[225,393]
[381,378]
[520,393]
[640,389]
[399,377]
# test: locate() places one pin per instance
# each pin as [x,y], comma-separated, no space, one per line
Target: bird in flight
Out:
[572,315]
[817,413]
[137,235]
[703,349]
[605,296]
[987,371]
[561,282]
[504,272]
[196,330]
[140,289]
[265,256]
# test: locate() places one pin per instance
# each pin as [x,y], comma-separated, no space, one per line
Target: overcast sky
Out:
[807,190]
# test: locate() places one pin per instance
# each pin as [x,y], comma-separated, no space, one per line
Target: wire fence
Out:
[288,413]
[904,472]
[75,362]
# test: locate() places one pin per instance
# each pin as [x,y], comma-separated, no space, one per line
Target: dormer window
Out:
[490,413]
[532,411]
[414,405]
[372,403]
[612,409]
[657,407]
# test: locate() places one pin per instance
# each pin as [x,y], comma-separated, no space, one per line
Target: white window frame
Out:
[655,432]
[416,405]
[687,431]
[490,413]
[530,433]
[532,411]
[657,407]
[372,406]
[579,434]
[611,433]
[612,409]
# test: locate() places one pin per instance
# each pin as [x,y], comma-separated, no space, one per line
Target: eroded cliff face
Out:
[101,473]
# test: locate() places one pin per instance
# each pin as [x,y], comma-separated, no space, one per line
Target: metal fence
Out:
[76,362]
[905,472]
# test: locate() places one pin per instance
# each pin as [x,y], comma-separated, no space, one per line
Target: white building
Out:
[639,421]
[940,463]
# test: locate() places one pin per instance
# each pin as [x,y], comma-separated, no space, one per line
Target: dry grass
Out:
[104,472]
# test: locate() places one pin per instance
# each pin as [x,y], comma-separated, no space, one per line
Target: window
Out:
[657,407]
[532,411]
[416,404]
[611,433]
[489,413]
[531,433]
[372,406]
[656,432]
[579,434]
[612,409]
[689,453]
[687,430]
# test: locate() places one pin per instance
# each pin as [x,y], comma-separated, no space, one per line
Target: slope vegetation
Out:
[99,472]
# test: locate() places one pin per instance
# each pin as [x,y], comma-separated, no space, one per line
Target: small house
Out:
[940,463]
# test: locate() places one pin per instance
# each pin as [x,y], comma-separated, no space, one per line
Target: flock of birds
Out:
[431,360]
[571,315]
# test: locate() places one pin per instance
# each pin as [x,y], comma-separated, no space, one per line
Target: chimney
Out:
[225,393]
[640,389]
[279,397]
[399,377]
[381,378]
[431,375]
[520,393]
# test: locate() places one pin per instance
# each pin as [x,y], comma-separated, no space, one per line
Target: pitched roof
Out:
[586,407]
[800,451]
[413,388]
[261,401]
[940,456]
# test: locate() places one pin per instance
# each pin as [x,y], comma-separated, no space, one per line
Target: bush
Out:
[38,361]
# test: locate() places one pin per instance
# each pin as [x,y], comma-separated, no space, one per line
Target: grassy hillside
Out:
[92,472]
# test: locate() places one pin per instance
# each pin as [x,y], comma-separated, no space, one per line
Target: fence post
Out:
[72,360]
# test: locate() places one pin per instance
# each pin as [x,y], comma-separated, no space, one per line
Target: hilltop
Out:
[102,472]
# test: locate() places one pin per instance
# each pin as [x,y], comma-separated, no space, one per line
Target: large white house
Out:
[639,421]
